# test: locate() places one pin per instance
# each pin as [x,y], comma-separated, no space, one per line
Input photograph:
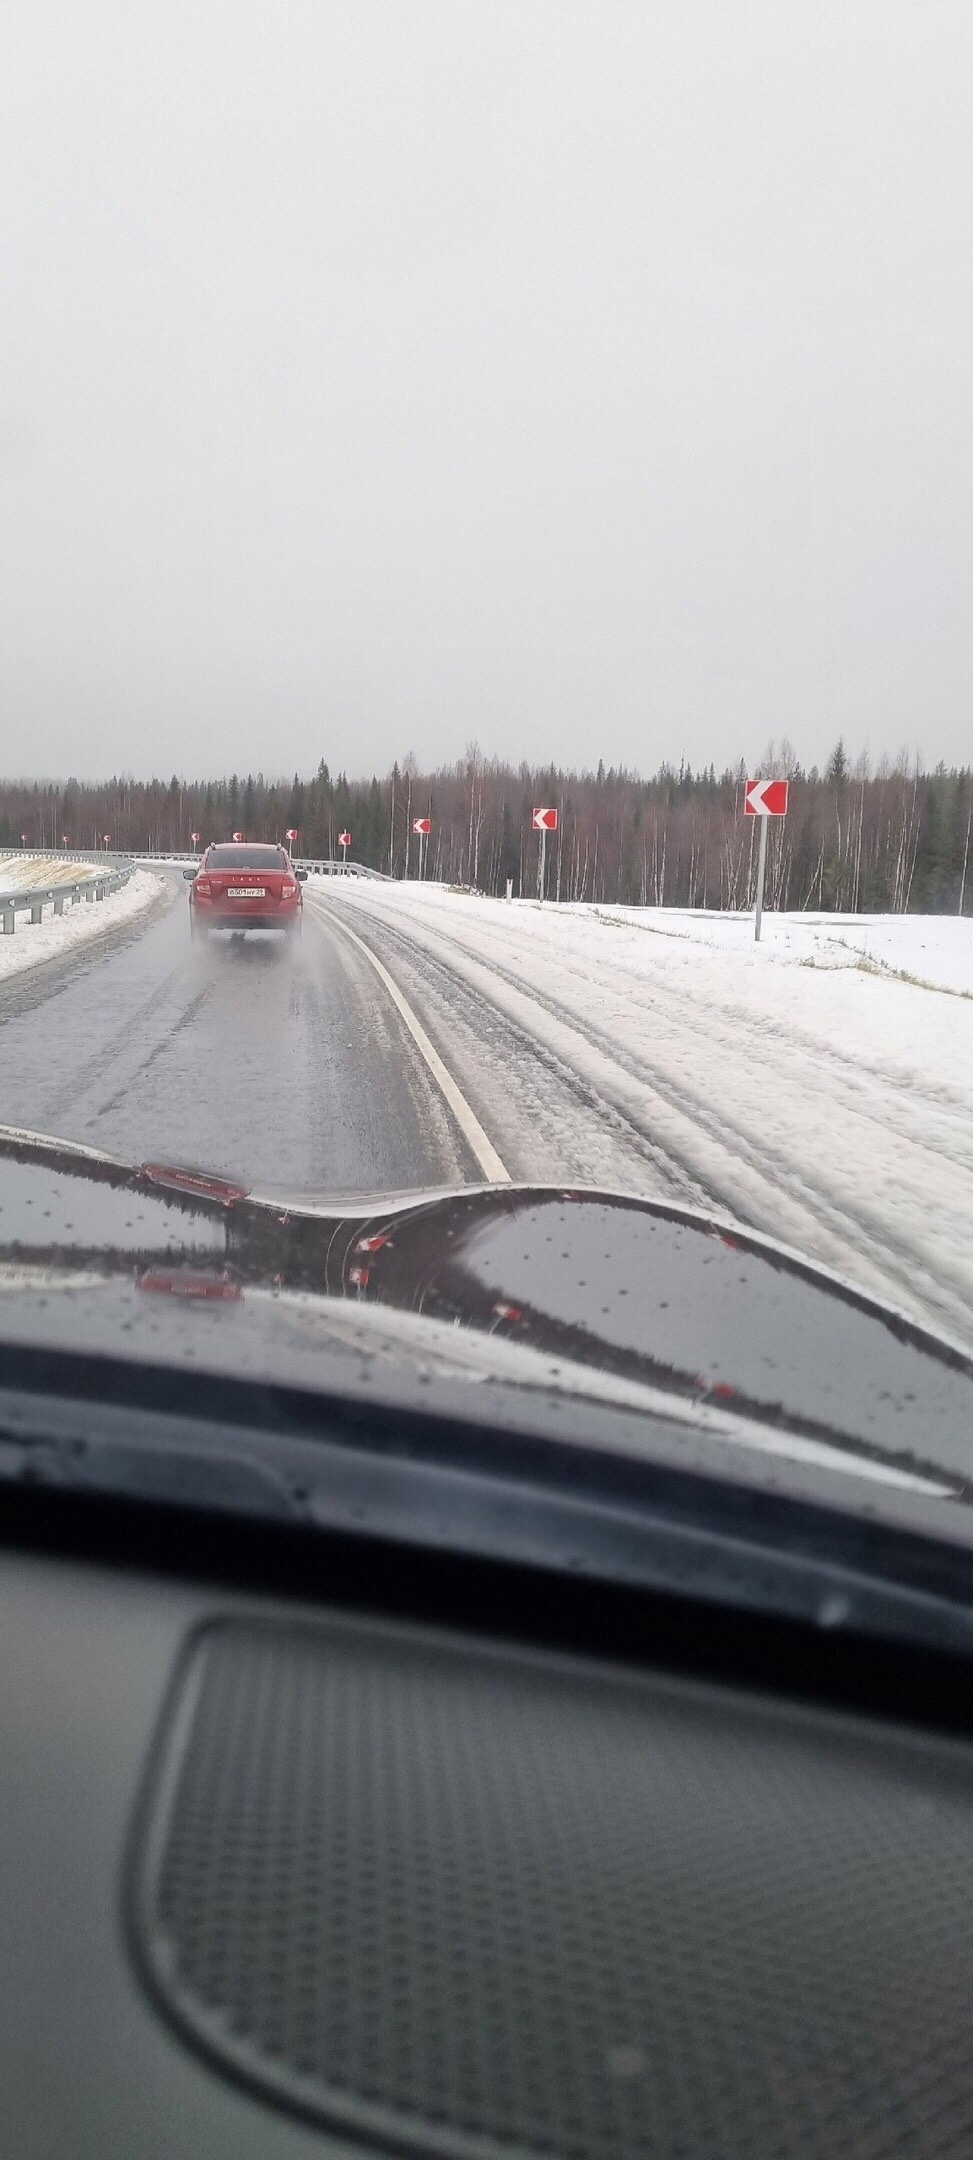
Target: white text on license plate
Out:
[246,892]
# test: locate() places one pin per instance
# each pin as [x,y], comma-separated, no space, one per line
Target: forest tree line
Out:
[858,838]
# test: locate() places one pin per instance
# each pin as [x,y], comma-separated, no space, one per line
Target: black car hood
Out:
[623,1323]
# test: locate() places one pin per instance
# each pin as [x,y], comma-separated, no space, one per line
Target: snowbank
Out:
[55,936]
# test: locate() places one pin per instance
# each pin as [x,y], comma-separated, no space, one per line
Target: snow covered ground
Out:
[935,951]
[55,936]
[804,1086]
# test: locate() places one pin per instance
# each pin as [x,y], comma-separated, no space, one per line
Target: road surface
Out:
[297,1072]
[286,1067]
[291,1068]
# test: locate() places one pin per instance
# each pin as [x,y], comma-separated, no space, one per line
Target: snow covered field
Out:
[33,943]
[933,950]
[803,1086]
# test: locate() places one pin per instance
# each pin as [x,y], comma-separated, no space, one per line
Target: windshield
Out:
[510,467]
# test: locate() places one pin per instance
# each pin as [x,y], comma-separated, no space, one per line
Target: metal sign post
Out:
[544,821]
[761,874]
[763,799]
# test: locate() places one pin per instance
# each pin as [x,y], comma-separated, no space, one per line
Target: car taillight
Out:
[288,887]
[203,886]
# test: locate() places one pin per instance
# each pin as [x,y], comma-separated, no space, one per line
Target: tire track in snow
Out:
[708,1147]
[562,1111]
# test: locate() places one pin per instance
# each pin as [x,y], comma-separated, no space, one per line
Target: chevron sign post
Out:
[544,821]
[763,799]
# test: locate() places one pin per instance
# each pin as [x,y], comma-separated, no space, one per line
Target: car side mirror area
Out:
[301,876]
[190,876]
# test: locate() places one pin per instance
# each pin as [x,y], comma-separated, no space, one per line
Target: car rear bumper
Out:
[210,918]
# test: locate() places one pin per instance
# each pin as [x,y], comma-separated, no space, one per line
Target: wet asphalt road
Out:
[285,1067]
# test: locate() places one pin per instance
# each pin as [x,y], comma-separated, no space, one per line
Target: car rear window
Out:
[246,858]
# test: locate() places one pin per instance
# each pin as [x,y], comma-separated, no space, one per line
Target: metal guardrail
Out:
[324,865]
[34,898]
[339,869]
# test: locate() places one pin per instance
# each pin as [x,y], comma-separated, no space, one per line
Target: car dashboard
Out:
[347,1858]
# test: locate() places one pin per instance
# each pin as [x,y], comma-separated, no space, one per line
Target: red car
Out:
[245,885]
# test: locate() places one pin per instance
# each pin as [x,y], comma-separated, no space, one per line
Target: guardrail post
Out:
[59,904]
[9,922]
[99,892]
[37,911]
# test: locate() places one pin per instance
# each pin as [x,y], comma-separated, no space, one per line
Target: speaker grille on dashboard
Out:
[498,1904]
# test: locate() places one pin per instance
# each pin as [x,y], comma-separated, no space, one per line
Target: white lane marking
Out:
[487,1159]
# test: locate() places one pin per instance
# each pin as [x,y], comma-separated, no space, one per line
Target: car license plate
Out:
[246,892]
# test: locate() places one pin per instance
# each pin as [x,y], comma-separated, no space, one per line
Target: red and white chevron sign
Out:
[422,825]
[545,820]
[766,798]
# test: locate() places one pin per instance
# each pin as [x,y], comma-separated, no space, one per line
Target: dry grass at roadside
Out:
[21,873]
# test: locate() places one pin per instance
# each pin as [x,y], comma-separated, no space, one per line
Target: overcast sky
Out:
[589,380]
